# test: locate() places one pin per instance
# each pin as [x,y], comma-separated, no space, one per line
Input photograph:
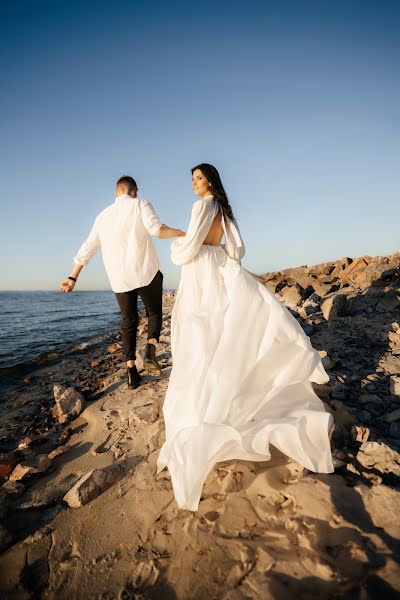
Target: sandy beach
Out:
[263,530]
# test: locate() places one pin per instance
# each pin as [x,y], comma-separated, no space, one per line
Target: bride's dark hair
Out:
[216,188]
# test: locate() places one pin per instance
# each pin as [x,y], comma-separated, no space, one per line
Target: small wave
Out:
[55,354]
[70,317]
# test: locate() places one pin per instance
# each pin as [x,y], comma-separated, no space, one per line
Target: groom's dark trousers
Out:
[151,296]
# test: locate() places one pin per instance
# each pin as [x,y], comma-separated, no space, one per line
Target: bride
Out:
[242,365]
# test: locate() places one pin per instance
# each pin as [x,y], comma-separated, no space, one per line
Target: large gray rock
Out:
[69,404]
[88,488]
[290,296]
[334,306]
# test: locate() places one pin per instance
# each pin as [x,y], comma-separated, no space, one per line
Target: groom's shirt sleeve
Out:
[89,247]
[149,217]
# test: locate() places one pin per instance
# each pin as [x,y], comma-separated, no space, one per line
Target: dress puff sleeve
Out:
[185,248]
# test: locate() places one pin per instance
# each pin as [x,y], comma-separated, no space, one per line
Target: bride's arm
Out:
[185,248]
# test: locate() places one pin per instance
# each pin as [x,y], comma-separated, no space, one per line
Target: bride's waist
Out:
[210,251]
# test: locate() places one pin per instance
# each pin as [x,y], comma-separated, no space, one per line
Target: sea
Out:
[33,323]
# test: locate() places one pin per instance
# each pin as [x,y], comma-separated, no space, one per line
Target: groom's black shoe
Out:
[150,362]
[134,378]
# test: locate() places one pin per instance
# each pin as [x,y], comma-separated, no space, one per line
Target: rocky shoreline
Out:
[83,514]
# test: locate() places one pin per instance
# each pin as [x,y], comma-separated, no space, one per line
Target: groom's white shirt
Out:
[123,231]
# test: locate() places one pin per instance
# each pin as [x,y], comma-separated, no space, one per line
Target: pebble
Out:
[88,488]
[57,452]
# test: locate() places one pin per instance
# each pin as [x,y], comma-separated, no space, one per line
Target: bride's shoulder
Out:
[202,203]
[197,205]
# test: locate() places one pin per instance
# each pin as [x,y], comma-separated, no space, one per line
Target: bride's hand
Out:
[181,233]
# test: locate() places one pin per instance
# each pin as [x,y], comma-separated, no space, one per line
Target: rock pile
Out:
[339,289]
[351,310]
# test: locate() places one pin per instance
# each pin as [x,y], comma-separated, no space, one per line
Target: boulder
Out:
[355,272]
[323,269]
[271,285]
[390,364]
[378,274]
[310,307]
[69,404]
[378,456]
[334,306]
[38,464]
[290,296]
[394,338]
[88,488]
[340,266]
[306,286]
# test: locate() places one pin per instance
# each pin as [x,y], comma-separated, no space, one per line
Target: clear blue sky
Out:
[297,103]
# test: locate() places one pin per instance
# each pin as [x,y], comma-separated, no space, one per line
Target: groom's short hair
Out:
[127,182]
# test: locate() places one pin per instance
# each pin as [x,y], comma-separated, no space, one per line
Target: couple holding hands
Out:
[242,366]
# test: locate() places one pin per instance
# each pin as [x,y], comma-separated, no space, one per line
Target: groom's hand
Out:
[67,285]
[181,233]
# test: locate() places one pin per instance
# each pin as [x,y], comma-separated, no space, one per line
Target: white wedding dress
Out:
[242,368]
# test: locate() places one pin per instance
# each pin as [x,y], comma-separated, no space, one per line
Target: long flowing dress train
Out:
[242,368]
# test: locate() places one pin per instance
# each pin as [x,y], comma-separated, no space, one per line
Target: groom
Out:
[123,231]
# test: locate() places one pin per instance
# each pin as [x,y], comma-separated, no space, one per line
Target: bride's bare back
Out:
[214,236]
